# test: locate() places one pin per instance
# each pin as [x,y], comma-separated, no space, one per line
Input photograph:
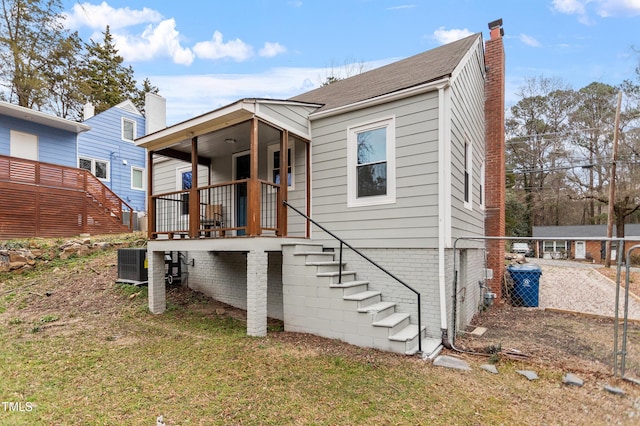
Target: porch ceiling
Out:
[212,144]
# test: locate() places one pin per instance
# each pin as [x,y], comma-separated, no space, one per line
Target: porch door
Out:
[243,171]
[581,251]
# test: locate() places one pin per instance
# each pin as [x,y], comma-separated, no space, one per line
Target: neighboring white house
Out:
[391,161]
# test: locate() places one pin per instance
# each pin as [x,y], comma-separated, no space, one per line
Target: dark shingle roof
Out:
[413,71]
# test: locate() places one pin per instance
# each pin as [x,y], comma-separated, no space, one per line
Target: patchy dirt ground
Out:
[576,342]
[84,296]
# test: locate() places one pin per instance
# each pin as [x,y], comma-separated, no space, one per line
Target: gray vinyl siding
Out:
[293,117]
[165,175]
[410,222]
[467,118]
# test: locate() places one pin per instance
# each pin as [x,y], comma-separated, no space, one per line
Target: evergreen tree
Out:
[109,81]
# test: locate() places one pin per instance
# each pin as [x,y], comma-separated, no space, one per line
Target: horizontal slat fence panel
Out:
[46,200]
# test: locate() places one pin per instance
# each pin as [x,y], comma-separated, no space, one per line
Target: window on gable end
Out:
[128,129]
[371,163]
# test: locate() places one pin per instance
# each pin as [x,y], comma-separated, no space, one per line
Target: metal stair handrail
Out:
[372,262]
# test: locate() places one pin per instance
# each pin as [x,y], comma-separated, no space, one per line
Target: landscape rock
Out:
[572,380]
[614,390]
[451,362]
[531,375]
[490,368]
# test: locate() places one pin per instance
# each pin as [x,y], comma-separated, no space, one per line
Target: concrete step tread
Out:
[313,253]
[392,320]
[348,284]
[327,263]
[334,273]
[407,333]
[362,295]
[377,307]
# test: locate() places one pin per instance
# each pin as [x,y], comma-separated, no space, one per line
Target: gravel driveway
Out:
[575,286]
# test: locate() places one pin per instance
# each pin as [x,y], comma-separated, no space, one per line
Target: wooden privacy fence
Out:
[47,200]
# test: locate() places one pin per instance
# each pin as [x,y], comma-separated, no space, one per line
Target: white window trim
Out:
[271,150]
[388,123]
[468,155]
[140,169]
[122,129]
[93,167]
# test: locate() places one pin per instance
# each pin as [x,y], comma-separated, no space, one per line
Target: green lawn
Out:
[92,354]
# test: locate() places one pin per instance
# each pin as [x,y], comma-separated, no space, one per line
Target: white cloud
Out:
[272,49]
[191,95]
[618,7]
[160,41]
[448,36]
[529,41]
[604,8]
[98,16]
[217,49]
[295,3]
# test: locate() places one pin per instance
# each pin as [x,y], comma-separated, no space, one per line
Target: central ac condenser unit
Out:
[132,265]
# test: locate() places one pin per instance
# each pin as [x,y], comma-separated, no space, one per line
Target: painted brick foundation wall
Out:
[419,269]
[222,276]
[470,264]
[495,179]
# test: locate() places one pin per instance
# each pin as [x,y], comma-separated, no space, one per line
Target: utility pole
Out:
[612,185]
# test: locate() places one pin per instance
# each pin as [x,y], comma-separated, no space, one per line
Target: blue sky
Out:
[205,54]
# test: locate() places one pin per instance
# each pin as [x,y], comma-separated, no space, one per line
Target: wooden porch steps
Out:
[387,329]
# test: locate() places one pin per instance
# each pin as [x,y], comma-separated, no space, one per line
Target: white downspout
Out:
[444,194]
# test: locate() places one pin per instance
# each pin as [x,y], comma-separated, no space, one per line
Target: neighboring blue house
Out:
[108,151]
[37,136]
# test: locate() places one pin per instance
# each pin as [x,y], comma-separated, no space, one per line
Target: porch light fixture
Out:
[230,141]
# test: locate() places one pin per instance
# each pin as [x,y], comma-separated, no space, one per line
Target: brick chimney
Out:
[494,221]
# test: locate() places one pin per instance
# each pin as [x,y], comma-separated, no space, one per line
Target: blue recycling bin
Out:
[526,284]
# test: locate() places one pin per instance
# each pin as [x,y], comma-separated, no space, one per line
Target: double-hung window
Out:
[468,167]
[128,129]
[371,171]
[274,165]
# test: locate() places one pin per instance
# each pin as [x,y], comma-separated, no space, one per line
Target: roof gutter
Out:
[389,97]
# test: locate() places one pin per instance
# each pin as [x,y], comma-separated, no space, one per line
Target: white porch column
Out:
[157,290]
[257,262]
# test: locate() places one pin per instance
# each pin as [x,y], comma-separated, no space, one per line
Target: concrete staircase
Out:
[345,310]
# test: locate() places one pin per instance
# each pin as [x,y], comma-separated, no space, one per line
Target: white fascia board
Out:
[39,117]
[390,97]
[279,124]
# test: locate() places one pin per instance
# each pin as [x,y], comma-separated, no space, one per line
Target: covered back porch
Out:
[216,186]
[226,173]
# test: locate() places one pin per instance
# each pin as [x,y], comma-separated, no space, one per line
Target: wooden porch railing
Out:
[47,200]
[224,210]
